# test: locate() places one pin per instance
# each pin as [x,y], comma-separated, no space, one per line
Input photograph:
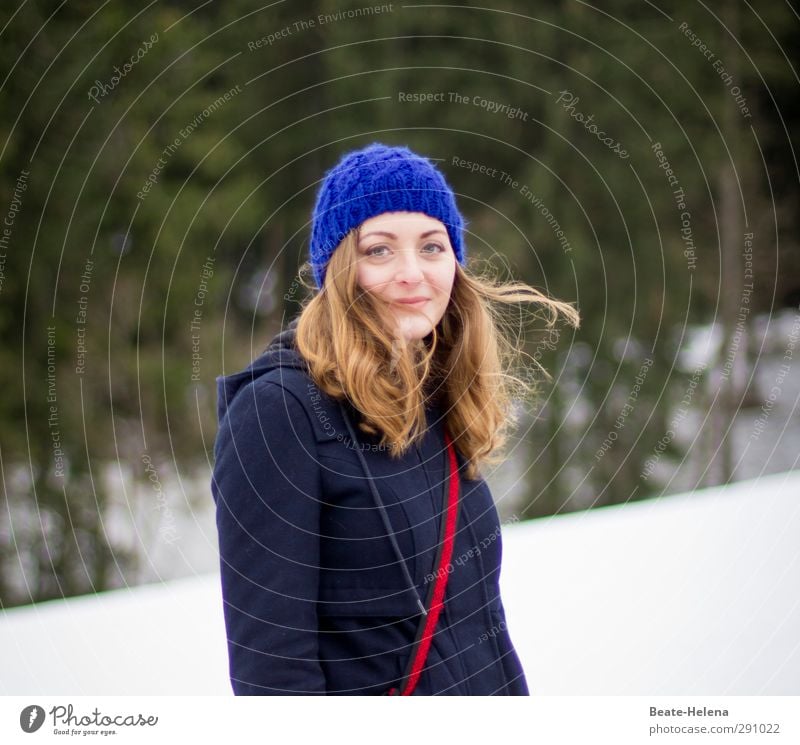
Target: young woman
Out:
[360,547]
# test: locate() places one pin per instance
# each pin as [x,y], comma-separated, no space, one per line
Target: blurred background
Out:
[158,166]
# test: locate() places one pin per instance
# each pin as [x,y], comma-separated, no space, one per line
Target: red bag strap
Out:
[435,600]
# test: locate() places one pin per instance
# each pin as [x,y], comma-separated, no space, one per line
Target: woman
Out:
[360,548]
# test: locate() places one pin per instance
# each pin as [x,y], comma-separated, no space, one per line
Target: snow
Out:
[688,594]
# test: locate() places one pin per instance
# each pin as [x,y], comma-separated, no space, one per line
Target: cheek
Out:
[369,277]
[444,277]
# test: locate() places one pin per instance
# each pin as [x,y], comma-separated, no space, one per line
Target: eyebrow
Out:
[392,235]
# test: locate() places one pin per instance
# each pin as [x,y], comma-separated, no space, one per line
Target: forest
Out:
[158,166]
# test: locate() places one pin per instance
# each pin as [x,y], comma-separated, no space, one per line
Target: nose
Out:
[409,269]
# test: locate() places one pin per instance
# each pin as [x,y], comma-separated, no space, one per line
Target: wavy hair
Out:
[470,363]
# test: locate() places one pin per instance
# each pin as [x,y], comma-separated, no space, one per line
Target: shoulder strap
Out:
[382,511]
[435,598]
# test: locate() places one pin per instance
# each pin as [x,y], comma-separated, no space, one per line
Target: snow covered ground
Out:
[689,594]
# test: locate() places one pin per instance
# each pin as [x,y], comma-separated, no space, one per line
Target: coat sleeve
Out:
[515,675]
[266,486]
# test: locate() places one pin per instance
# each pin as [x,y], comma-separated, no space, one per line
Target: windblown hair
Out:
[468,363]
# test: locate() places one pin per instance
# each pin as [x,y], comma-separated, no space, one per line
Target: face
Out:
[406,259]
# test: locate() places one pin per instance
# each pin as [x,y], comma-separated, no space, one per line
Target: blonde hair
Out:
[467,361]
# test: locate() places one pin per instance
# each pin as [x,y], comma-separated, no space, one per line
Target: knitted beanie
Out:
[374,180]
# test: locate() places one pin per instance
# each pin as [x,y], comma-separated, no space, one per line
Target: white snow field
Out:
[691,594]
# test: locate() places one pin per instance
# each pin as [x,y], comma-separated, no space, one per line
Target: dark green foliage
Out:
[235,128]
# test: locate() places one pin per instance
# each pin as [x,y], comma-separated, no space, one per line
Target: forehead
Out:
[401,222]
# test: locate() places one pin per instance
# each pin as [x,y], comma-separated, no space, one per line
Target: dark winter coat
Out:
[317,598]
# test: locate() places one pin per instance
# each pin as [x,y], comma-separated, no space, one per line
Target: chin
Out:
[414,330]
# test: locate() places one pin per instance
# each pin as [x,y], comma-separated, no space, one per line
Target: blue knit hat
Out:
[374,180]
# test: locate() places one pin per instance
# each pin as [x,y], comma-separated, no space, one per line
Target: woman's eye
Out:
[376,251]
[435,246]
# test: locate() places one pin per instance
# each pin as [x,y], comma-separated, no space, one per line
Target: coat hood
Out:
[281,352]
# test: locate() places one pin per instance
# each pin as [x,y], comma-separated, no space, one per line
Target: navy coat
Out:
[317,598]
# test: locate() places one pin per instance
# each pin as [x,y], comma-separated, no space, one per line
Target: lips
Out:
[413,301]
